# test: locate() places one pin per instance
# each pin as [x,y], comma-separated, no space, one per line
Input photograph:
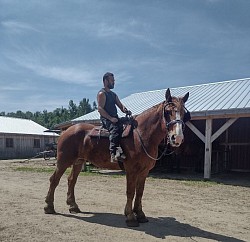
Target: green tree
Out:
[59,115]
[72,109]
[94,106]
[84,107]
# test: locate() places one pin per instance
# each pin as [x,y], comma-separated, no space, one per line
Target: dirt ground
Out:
[177,209]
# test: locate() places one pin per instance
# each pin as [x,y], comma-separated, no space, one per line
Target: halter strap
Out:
[167,125]
[172,122]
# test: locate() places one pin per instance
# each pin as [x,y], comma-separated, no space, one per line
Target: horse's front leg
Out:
[129,213]
[72,178]
[141,218]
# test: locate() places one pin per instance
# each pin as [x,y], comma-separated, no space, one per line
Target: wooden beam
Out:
[208,149]
[196,131]
[203,116]
[224,127]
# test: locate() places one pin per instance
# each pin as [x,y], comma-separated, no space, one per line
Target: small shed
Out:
[220,122]
[22,138]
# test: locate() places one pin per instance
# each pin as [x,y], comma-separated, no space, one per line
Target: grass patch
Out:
[51,170]
[187,181]
[67,172]
[34,169]
[199,183]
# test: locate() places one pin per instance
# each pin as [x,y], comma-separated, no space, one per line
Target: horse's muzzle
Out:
[176,140]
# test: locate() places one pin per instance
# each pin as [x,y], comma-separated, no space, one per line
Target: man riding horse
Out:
[107,101]
[164,121]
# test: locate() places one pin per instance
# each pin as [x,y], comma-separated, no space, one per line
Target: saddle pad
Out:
[100,132]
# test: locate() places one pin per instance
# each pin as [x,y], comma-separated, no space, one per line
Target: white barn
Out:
[22,138]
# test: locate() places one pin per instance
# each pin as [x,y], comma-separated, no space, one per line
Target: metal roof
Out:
[219,98]
[22,126]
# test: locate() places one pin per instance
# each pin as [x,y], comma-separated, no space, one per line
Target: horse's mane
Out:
[152,109]
[149,110]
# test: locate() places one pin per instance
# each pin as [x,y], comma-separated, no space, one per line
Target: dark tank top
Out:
[110,106]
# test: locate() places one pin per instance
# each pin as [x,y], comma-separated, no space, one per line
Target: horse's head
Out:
[174,111]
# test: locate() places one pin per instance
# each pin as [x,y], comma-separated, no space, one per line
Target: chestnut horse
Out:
[75,146]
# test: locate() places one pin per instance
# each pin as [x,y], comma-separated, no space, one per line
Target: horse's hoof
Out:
[142,219]
[132,223]
[49,210]
[74,210]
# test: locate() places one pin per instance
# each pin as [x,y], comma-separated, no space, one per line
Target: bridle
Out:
[169,124]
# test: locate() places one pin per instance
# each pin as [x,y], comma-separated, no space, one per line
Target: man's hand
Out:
[125,110]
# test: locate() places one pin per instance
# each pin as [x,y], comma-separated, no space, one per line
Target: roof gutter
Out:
[216,114]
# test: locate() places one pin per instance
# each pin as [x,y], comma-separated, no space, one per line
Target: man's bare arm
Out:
[120,105]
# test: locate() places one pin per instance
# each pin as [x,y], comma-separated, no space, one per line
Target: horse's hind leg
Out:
[54,181]
[72,178]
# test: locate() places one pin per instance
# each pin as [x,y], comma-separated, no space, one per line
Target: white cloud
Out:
[38,62]
[214,1]
[18,27]
[13,87]
[65,74]
[128,30]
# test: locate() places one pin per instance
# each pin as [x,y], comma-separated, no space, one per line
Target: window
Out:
[36,143]
[9,142]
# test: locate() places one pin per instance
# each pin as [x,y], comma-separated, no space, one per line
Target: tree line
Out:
[59,115]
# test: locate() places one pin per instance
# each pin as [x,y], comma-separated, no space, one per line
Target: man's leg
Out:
[114,139]
[115,133]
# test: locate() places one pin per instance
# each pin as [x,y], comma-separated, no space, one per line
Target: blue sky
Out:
[52,51]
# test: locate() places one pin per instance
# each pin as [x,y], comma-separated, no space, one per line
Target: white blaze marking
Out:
[178,125]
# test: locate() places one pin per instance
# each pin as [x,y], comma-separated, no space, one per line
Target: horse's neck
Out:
[150,125]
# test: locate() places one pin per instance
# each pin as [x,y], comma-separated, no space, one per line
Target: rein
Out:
[145,150]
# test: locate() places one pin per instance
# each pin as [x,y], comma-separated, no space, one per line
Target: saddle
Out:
[101,132]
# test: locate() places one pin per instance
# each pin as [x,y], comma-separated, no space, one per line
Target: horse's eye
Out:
[168,113]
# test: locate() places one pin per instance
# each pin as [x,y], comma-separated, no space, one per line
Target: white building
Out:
[22,138]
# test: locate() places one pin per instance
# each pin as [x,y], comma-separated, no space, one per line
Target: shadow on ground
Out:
[161,227]
[226,178]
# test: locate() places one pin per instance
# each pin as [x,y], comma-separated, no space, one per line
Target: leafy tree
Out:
[72,109]
[94,106]
[59,115]
[84,107]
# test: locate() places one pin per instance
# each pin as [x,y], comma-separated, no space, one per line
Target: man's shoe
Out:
[120,154]
[113,159]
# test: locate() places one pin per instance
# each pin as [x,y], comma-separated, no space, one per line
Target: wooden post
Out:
[208,149]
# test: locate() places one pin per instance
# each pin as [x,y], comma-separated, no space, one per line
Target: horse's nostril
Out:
[179,139]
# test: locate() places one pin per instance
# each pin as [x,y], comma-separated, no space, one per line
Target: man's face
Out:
[111,82]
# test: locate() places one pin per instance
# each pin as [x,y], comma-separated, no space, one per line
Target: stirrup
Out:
[119,153]
[113,158]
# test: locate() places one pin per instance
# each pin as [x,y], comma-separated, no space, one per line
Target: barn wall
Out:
[230,151]
[23,145]
[236,141]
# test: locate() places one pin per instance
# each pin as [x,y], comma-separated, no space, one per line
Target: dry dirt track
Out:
[177,210]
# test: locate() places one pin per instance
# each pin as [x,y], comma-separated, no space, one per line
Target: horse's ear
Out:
[168,96]
[185,98]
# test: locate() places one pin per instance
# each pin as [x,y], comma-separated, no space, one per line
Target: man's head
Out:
[108,80]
